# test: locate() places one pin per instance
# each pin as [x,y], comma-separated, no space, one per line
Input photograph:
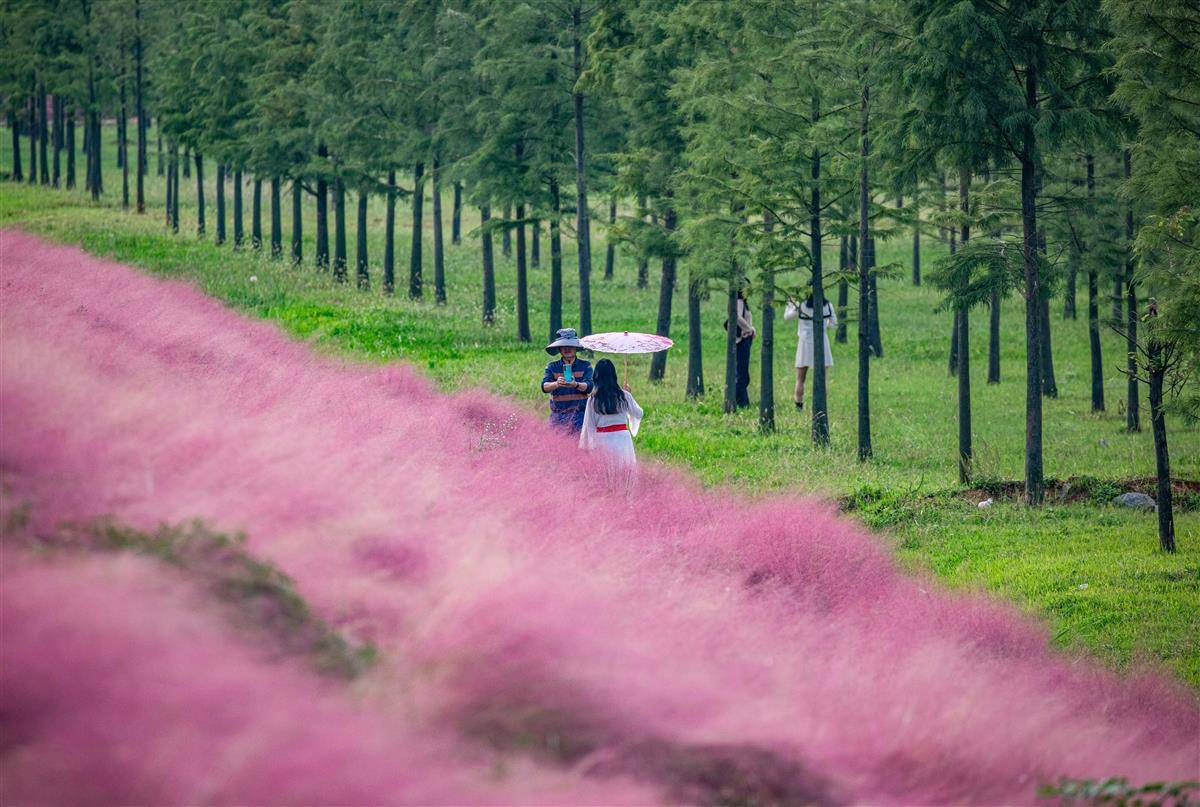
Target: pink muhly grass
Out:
[686,639]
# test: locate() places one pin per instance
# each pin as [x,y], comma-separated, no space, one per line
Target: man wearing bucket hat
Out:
[568,380]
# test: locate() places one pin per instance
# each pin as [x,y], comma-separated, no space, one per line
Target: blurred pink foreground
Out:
[674,644]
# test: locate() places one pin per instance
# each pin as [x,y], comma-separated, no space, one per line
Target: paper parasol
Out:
[626,342]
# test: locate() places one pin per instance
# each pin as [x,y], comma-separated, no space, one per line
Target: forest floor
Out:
[1090,569]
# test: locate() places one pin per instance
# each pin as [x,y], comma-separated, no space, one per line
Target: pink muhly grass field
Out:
[662,644]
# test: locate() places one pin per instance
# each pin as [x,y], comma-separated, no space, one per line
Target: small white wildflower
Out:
[253,278]
[985,503]
[1082,586]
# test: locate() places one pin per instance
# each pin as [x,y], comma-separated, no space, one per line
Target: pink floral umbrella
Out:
[626,342]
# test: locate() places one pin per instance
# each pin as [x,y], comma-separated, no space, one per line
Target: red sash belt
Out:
[616,427]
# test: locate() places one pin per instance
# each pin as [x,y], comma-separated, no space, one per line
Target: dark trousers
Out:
[743,371]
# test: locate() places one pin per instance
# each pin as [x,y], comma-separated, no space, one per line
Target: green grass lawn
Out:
[1137,603]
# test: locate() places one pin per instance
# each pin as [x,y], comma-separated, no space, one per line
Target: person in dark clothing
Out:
[745,339]
[568,381]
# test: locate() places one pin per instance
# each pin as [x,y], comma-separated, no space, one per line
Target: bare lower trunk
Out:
[362,271]
[418,207]
[1162,460]
[522,279]
[658,362]
[220,239]
[965,453]
[489,265]
[864,340]
[389,236]
[339,231]
[1034,483]
[238,225]
[200,223]
[766,337]
[1132,420]
[556,277]
[297,222]
[439,254]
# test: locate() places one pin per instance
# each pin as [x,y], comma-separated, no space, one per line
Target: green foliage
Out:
[1119,792]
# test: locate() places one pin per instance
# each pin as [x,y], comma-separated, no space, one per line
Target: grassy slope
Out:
[1137,602]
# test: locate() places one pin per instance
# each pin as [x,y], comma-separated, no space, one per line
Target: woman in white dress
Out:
[611,418]
[804,347]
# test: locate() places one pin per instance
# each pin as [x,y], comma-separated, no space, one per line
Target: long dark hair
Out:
[609,398]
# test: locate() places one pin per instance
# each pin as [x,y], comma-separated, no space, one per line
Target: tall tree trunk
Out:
[276,219]
[43,135]
[239,229]
[658,361]
[964,347]
[556,275]
[1094,309]
[123,135]
[418,208]
[170,192]
[139,103]
[17,174]
[731,332]
[695,363]
[876,336]
[489,265]
[643,267]
[71,148]
[1034,483]
[916,244]
[94,142]
[766,345]
[582,225]
[158,129]
[56,139]
[389,236]
[1162,459]
[610,251]
[256,215]
[506,233]
[864,338]
[339,230]
[297,222]
[820,406]
[362,272]
[952,365]
[439,254]
[1132,420]
[993,376]
[522,279]
[322,256]
[175,183]
[535,247]
[843,298]
[33,141]
[199,194]
[1049,382]
[1072,272]
[456,218]
[220,202]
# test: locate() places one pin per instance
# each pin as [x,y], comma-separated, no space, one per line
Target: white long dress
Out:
[617,444]
[804,346]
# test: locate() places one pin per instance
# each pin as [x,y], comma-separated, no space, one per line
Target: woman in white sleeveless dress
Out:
[804,347]
[611,418]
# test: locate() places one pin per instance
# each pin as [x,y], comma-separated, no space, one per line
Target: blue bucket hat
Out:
[567,337]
